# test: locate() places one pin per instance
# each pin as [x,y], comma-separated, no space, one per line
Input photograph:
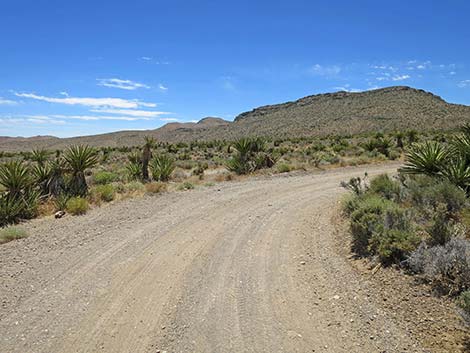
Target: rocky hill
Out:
[386,109]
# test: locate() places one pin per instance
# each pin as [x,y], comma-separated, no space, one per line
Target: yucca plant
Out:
[426,158]
[15,177]
[56,182]
[41,175]
[78,159]
[10,210]
[134,171]
[460,145]
[146,156]
[39,156]
[457,171]
[162,166]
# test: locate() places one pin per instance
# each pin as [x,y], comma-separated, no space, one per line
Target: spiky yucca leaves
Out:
[10,210]
[78,159]
[15,177]
[460,145]
[39,156]
[457,171]
[134,168]
[146,156]
[134,171]
[41,175]
[162,166]
[250,156]
[426,158]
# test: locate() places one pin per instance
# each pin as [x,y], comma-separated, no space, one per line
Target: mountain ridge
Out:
[343,113]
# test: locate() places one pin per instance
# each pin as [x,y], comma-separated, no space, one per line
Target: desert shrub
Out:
[366,220]
[283,168]
[77,206]
[350,203]
[11,233]
[396,239]
[155,187]
[105,177]
[105,192]
[392,245]
[386,187]
[442,227]
[446,267]
[185,186]
[429,193]
[162,166]
[464,305]
[135,186]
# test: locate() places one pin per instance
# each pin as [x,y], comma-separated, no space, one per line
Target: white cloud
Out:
[464,83]
[90,102]
[320,70]
[452,73]
[7,102]
[169,119]
[99,117]
[27,120]
[121,84]
[347,88]
[401,78]
[135,113]
[146,58]
[163,88]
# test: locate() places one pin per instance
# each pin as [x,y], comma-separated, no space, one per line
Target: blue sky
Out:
[72,68]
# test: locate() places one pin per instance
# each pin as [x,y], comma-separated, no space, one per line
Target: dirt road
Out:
[238,267]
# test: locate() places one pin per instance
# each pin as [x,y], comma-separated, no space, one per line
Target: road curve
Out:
[245,266]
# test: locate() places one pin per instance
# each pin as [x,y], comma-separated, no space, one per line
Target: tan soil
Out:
[250,266]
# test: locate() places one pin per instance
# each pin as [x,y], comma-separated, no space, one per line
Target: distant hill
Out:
[385,109]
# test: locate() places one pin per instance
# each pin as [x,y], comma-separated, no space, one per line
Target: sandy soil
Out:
[250,266]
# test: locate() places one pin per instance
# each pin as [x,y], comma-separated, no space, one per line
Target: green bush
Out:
[134,186]
[386,187]
[464,305]
[77,206]
[366,220]
[11,233]
[106,192]
[105,177]
[428,193]
[393,245]
[283,168]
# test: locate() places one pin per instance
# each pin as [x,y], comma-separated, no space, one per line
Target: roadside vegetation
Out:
[42,182]
[419,220]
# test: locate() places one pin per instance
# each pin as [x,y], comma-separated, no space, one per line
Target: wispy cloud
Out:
[121,84]
[347,88]
[28,120]
[401,77]
[7,102]
[321,70]
[162,87]
[169,119]
[129,112]
[100,117]
[464,83]
[90,102]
